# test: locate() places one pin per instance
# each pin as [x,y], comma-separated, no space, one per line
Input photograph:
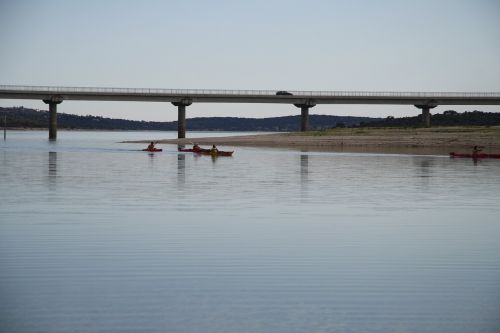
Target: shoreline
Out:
[397,140]
[20,129]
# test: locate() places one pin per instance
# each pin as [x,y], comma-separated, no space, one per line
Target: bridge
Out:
[181,98]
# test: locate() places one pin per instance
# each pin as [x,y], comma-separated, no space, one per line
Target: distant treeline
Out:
[447,118]
[20,117]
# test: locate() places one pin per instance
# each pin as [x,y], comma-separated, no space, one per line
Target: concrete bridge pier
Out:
[52,102]
[181,117]
[426,114]
[304,112]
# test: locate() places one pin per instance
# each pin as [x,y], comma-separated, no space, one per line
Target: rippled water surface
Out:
[97,236]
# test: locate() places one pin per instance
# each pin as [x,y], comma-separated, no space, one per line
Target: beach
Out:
[394,140]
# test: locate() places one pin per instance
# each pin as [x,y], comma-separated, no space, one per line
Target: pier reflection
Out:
[52,169]
[181,170]
[304,175]
[424,171]
[425,167]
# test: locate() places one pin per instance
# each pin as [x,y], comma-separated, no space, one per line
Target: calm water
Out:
[96,236]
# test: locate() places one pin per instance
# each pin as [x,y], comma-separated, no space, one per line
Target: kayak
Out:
[207,152]
[152,150]
[218,153]
[194,150]
[478,155]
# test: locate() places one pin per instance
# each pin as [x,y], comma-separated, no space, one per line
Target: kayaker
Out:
[151,146]
[214,150]
[476,150]
[196,147]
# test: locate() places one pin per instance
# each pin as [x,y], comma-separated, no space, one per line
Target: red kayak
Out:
[218,153]
[207,152]
[152,150]
[478,155]
[194,150]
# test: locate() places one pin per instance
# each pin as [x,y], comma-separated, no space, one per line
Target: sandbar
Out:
[393,140]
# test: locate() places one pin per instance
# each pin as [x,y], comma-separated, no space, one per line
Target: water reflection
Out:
[425,168]
[52,169]
[304,175]
[181,170]
[476,161]
[151,159]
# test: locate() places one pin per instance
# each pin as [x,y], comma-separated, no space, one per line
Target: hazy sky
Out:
[384,45]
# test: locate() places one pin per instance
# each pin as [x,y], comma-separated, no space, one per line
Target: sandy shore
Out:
[425,140]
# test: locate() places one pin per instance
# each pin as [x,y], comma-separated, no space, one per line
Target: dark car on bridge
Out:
[283,93]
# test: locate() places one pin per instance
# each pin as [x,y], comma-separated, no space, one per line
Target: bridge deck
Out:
[248,96]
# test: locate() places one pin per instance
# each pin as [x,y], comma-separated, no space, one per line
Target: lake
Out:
[98,236]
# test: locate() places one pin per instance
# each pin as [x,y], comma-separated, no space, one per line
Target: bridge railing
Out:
[232,92]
